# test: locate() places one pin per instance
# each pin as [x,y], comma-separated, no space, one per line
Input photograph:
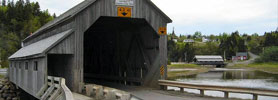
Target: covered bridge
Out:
[209,60]
[120,41]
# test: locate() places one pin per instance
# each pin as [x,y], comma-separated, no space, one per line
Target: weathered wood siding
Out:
[28,79]
[74,43]
[64,47]
[83,20]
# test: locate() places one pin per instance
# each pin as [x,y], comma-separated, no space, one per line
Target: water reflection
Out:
[230,75]
[238,78]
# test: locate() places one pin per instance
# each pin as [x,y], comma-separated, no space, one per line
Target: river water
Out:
[233,77]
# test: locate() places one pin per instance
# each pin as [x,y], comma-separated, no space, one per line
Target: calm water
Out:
[237,78]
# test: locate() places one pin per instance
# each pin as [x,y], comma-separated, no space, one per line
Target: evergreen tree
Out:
[54,15]
[17,21]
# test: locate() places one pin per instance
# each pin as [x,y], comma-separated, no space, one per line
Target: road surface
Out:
[252,59]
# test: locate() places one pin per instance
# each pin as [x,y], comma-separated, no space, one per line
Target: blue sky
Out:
[207,16]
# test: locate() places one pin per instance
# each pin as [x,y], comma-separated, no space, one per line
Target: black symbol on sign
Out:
[162,32]
[124,13]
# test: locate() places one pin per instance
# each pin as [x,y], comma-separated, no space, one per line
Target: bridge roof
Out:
[41,46]
[241,54]
[75,10]
[209,58]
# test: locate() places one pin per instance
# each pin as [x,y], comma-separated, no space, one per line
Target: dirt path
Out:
[251,60]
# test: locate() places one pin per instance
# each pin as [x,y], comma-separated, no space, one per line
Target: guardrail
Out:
[253,91]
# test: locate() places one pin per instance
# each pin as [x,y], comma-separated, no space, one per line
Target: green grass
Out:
[2,76]
[174,74]
[266,67]
[184,66]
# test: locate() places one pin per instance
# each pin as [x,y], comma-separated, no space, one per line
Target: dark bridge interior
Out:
[119,50]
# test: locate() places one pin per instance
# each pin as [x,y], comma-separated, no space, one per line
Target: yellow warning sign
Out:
[162,31]
[124,11]
[162,70]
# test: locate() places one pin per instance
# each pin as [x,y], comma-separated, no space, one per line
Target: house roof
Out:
[208,58]
[75,10]
[41,46]
[63,17]
[241,54]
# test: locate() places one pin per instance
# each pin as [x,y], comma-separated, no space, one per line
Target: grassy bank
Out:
[182,73]
[266,67]
[184,66]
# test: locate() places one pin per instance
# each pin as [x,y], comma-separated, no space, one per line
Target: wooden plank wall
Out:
[80,23]
[64,47]
[87,17]
[28,79]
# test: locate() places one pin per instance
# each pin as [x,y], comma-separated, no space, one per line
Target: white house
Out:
[175,40]
[205,39]
[188,41]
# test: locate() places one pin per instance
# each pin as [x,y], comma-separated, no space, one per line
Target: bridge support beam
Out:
[226,94]
[202,93]
[181,90]
[255,97]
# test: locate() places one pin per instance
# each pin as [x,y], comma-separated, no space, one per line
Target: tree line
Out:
[226,45]
[17,21]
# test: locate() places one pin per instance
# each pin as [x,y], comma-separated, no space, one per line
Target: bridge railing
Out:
[253,91]
[66,93]
[55,89]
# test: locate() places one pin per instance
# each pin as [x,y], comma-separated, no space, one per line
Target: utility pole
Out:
[185,55]
[224,55]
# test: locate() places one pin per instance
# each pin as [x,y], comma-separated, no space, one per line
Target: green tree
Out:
[231,44]
[197,34]
[190,52]
[270,55]
[17,21]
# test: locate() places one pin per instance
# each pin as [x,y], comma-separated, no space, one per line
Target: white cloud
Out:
[226,11]
[57,6]
[208,16]
[194,11]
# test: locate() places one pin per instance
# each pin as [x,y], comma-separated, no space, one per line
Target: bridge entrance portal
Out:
[58,65]
[119,50]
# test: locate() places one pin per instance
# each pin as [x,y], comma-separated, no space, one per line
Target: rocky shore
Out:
[8,91]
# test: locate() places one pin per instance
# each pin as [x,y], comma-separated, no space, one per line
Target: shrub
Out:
[169,62]
[269,55]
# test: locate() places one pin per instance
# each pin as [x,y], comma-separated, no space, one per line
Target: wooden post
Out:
[202,93]
[181,90]
[255,97]
[226,94]
[141,71]
[163,87]
[125,78]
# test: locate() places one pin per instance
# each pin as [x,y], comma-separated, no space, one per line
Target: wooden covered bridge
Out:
[97,41]
[209,60]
